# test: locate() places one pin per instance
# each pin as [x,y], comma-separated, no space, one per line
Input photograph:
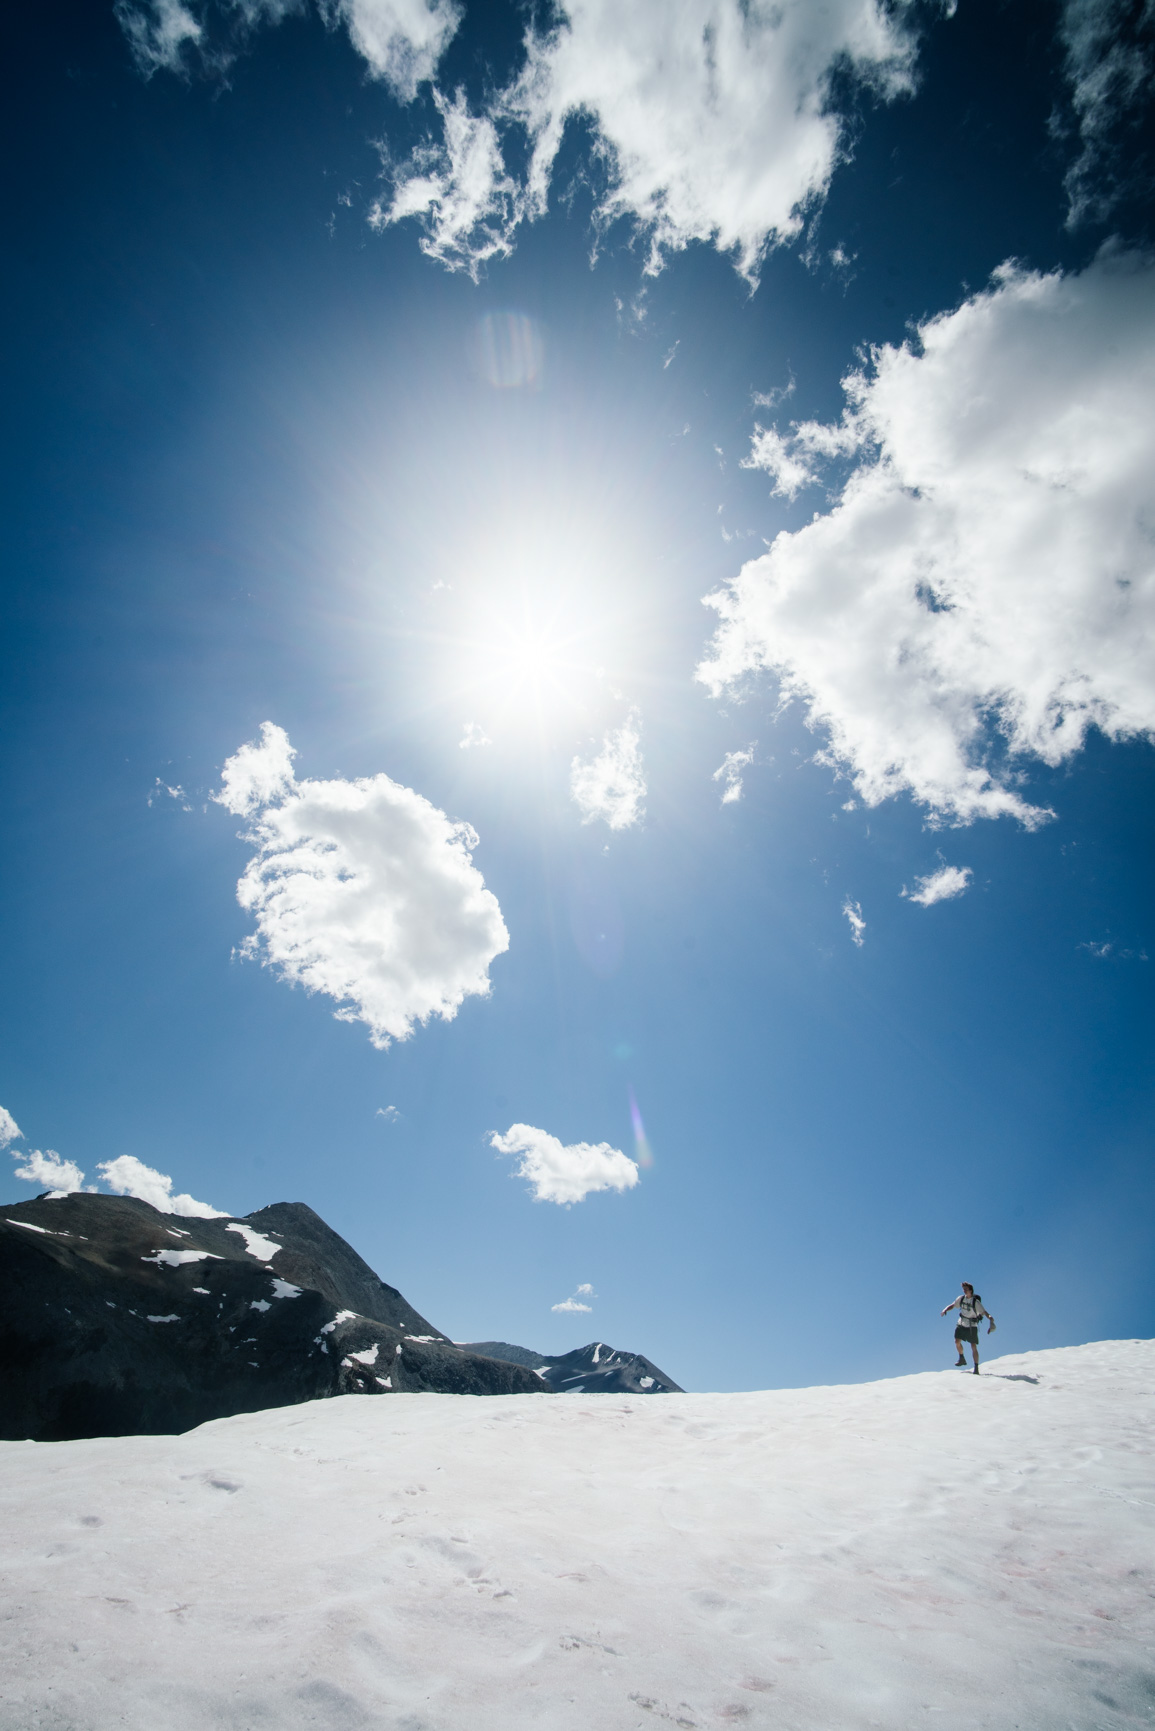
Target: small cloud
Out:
[853,912]
[612,786]
[1108,948]
[259,773]
[574,1301]
[565,1174]
[789,470]
[128,1176]
[10,1130]
[162,790]
[474,735]
[389,1113]
[730,770]
[941,886]
[49,1171]
[665,364]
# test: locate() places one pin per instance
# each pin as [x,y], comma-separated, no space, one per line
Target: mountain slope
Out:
[115,1318]
[942,1550]
[593,1369]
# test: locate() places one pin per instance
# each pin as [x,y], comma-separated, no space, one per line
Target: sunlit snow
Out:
[178,1258]
[942,1549]
[255,1242]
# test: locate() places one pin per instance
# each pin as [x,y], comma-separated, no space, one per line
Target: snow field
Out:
[938,1550]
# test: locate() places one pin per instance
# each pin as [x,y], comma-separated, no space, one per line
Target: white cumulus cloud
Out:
[712,120]
[853,913]
[49,1171]
[474,734]
[983,590]
[362,890]
[611,786]
[128,1176]
[565,1174]
[940,886]
[729,772]
[10,1130]
[576,1300]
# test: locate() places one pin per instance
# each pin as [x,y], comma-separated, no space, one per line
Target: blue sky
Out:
[438,495]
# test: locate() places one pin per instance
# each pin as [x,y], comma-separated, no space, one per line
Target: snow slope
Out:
[941,1550]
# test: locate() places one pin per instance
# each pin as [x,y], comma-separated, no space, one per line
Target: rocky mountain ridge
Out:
[593,1369]
[116,1319]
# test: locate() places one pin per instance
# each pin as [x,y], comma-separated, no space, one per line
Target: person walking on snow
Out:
[970,1308]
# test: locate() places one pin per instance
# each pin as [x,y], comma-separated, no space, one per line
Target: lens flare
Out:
[642,1150]
[510,350]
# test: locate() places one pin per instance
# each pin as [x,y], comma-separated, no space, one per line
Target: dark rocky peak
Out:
[593,1369]
[115,1318]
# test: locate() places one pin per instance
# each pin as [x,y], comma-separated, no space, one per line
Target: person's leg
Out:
[975,1354]
[959,1347]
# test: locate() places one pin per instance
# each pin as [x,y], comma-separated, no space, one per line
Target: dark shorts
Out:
[970,1335]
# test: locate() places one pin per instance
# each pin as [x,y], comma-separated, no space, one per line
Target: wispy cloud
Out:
[389,1113]
[562,1174]
[1110,65]
[853,913]
[361,890]
[401,41]
[128,1176]
[712,121]
[474,734]
[611,786]
[161,790]
[575,1301]
[980,593]
[10,1130]
[729,772]
[1109,948]
[940,886]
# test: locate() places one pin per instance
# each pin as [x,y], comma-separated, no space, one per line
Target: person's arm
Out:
[951,1307]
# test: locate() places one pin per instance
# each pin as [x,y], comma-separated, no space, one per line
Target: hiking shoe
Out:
[976,1370]
[960,1360]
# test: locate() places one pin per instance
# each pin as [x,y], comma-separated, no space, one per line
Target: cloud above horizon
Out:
[982,590]
[49,1170]
[561,1174]
[128,1176]
[400,41]
[1109,50]
[710,121]
[575,1301]
[362,891]
[729,772]
[124,1176]
[940,886]
[612,786]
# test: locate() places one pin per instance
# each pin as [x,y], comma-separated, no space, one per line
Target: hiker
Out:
[970,1308]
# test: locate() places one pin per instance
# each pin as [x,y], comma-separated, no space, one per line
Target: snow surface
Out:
[255,1242]
[178,1258]
[942,1550]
